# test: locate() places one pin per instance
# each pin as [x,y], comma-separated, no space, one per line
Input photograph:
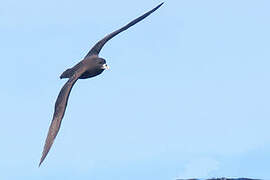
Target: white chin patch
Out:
[105,66]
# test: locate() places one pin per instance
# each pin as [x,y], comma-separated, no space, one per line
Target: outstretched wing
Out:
[59,111]
[98,46]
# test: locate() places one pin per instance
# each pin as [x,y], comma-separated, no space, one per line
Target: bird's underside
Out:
[89,67]
[87,74]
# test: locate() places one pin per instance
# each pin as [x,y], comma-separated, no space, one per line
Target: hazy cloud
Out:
[200,168]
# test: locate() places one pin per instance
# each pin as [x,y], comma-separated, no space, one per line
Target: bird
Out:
[91,65]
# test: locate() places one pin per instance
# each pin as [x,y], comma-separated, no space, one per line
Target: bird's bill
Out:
[105,66]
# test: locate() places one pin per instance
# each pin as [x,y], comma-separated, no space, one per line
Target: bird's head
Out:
[102,63]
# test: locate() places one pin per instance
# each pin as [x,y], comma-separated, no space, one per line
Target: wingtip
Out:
[158,6]
[40,162]
[161,4]
[42,159]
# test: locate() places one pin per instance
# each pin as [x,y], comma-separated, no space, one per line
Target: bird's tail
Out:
[67,73]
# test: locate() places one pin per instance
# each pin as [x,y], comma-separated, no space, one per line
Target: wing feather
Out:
[59,111]
[98,46]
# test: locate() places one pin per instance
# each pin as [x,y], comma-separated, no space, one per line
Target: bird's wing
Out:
[59,111]
[98,46]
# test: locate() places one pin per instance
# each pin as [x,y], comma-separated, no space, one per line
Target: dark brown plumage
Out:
[90,66]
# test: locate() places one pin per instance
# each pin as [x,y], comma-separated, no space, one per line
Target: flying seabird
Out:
[92,65]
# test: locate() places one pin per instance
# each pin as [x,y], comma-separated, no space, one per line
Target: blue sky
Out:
[187,94]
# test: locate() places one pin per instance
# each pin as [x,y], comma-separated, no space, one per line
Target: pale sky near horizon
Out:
[187,95]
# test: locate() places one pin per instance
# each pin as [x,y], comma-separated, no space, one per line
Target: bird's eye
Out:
[100,62]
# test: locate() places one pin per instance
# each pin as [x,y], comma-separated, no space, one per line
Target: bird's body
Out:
[92,65]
